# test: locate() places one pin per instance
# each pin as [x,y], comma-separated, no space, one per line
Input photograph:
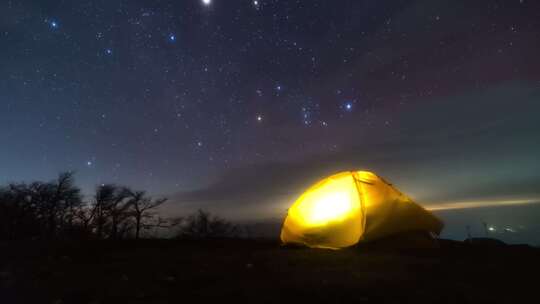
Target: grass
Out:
[229,271]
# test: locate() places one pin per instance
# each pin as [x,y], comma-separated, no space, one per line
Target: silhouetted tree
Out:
[118,211]
[18,216]
[85,215]
[111,210]
[103,197]
[142,206]
[203,225]
[56,209]
[67,197]
[40,209]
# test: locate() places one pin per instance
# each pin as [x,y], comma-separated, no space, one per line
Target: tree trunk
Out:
[138,226]
[114,228]
[99,223]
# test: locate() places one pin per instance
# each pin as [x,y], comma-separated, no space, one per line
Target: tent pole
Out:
[362,203]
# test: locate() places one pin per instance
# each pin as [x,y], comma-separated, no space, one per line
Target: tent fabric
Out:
[351,207]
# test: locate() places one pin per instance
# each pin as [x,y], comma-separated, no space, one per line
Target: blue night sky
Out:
[238,105]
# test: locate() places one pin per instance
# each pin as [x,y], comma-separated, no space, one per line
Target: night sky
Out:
[238,105]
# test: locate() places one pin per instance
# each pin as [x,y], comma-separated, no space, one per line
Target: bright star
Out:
[348,106]
[172,37]
[207,2]
[259,118]
[108,51]
[53,24]
[89,163]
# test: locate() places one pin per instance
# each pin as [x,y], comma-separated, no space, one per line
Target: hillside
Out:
[220,271]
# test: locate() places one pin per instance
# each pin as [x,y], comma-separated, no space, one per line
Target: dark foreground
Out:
[235,271]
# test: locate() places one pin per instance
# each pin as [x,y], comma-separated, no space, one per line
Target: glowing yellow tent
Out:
[349,207]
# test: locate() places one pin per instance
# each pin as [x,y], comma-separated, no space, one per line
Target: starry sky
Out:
[238,105]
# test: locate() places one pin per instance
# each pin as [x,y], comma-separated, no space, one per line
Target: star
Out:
[348,106]
[306,116]
[207,2]
[108,51]
[89,163]
[259,118]
[53,24]
[172,37]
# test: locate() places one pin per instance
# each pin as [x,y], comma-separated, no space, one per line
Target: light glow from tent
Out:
[335,201]
[330,214]
[328,207]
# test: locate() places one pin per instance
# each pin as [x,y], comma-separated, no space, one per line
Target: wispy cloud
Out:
[464,158]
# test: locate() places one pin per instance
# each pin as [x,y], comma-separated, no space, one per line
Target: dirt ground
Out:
[239,271]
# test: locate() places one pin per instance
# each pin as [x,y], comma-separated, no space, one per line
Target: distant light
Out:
[255,2]
[207,2]
[108,51]
[348,106]
[259,118]
[481,204]
[54,24]
[89,163]
[491,228]
[172,37]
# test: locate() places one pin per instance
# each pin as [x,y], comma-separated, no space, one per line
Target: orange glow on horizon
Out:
[480,204]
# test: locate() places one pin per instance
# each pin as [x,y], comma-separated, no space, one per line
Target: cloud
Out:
[447,152]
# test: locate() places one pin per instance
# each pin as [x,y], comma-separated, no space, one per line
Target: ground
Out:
[229,271]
